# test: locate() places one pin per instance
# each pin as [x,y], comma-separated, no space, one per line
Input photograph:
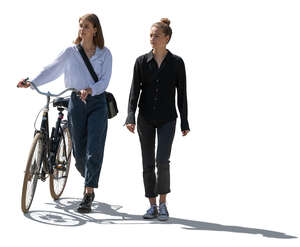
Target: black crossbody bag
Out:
[111,102]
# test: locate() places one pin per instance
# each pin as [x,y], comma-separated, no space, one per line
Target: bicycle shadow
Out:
[69,217]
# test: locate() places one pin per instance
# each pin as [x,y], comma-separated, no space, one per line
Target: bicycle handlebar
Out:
[48,93]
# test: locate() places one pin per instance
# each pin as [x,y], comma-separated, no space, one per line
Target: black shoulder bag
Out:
[111,102]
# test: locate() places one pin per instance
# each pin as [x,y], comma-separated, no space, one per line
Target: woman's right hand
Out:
[130,127]
[23,84]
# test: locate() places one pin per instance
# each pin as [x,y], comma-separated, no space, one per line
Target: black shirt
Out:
[156,88]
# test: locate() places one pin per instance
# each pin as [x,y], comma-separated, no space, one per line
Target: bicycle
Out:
[49,155]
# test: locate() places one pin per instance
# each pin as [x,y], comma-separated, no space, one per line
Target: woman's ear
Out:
[168,38]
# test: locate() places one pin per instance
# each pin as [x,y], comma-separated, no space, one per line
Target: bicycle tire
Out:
[32,172]
[59,178]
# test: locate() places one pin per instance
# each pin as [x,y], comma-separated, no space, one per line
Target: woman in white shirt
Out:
[87,113]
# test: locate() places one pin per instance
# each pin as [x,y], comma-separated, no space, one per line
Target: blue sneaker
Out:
[163,214]
[151,213]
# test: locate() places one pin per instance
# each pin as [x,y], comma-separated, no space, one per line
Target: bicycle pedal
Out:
[43,176]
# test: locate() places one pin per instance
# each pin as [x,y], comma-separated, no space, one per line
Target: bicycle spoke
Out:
[59,177]
[32,171]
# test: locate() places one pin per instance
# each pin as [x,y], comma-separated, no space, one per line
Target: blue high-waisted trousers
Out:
[88,127]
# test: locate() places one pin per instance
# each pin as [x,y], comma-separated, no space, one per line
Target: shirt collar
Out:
[97,53]
[150,56]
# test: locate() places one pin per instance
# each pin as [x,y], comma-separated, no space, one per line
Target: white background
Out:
[234,178]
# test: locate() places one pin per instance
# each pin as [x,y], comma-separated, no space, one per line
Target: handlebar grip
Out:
[24,81]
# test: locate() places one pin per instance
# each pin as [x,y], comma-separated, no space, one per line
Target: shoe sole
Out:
[162,219]
[149,218]
[84,211]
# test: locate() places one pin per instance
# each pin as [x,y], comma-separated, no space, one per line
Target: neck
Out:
[87,44]
[160,52]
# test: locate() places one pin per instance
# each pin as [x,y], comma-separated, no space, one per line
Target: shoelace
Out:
[163,209]
[151,210]
[87,198]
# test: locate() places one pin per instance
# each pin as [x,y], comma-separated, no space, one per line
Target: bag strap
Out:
[87,62]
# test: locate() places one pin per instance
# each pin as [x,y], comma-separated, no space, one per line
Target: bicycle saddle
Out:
[62,102]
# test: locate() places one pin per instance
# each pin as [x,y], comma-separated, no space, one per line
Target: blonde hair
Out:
[98,38]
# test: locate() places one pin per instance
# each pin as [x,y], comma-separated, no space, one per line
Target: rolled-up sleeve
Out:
[104,78]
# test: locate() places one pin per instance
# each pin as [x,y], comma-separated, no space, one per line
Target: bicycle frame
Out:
[50,143]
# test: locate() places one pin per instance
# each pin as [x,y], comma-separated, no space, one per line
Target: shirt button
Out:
[156,89]
[157,80]
[155,99]
[154,107]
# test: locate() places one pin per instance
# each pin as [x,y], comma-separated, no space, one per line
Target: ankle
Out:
[89,190]
[152,201]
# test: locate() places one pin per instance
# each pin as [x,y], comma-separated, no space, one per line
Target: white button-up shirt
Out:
[70,63]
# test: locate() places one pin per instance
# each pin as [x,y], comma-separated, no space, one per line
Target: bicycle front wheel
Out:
[60,174]
[32,172]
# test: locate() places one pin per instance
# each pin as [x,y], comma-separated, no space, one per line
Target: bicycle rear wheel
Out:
[32,172]
[59,177]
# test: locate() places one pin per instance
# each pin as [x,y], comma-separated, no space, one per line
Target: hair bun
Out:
[166,21]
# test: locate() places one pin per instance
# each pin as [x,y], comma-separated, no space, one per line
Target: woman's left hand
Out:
[185,132]
[84,93]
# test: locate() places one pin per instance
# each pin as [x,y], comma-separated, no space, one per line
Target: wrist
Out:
[89,91]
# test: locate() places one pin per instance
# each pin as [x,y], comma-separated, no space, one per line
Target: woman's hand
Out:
[23,84]
[185,132]
[130,127]
[84,93]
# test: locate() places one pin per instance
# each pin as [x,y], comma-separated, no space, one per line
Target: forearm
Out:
[52,71]
[183,110]
[132,103]
[98,87]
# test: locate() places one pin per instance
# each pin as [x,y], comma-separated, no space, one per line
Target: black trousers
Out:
[160,183]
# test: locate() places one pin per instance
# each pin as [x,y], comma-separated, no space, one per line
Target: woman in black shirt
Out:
[156,76]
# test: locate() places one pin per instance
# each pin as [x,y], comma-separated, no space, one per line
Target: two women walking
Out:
[156,77]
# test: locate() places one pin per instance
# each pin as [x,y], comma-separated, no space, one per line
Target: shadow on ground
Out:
[110,215]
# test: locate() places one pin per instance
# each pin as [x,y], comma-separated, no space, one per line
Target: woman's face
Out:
[86,30]
[157,38]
